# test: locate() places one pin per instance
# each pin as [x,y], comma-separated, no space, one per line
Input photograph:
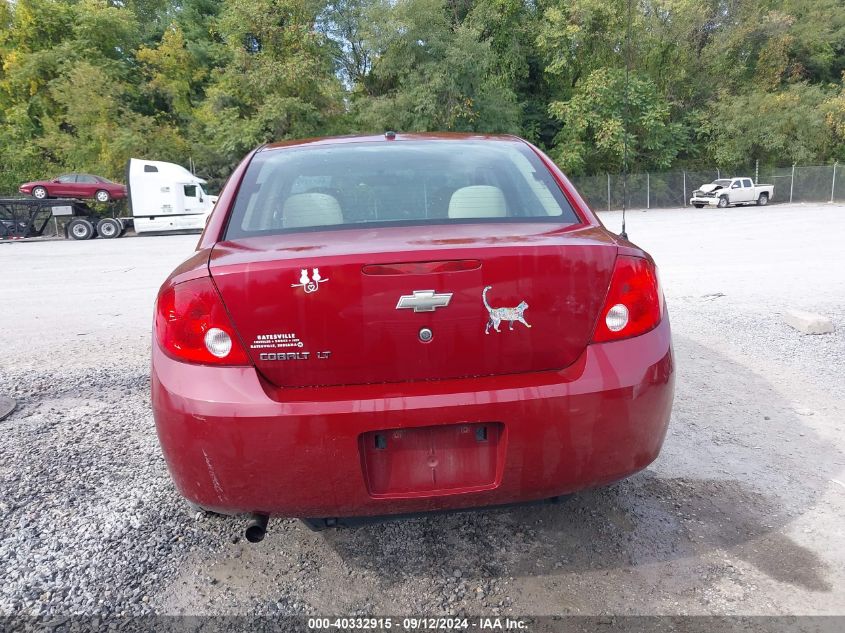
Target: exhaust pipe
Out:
[256,528]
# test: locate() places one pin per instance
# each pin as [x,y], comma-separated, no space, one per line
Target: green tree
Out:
[834,117]
[511,28]
[94,130]
[277,82]
[69,92]
[817,45]
[84,84]
[345,24]
[787,126]
[594,122]
[432,70]
[172,74]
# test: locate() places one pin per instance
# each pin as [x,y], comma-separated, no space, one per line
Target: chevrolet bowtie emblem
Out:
[424,301]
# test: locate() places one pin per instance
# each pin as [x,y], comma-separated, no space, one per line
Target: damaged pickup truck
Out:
[725,192]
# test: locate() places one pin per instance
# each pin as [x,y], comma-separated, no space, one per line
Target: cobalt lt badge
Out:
[309,284]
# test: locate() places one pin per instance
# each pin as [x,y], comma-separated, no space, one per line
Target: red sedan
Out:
[406,323]
[75,186]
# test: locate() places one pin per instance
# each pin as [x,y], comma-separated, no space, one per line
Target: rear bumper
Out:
[235,444]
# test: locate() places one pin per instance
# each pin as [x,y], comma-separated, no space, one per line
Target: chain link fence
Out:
[811,183]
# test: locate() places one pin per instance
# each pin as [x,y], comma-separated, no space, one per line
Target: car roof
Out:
[392,137]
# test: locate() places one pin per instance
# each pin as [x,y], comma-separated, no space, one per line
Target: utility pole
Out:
[792,182]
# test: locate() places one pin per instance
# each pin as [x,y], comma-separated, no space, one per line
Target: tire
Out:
[80,229]
[102,196]
[698,205]
[109,228]
[763,200]
[39,193]
[723,202]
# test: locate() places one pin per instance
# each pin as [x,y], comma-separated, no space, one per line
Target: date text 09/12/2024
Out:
[418,624]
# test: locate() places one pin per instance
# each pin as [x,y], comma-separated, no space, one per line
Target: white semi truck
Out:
[161,197]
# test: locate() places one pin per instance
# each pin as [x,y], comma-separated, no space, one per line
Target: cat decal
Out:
[312,283]
[497,315]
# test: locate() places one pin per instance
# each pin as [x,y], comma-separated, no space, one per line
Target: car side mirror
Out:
[735,185]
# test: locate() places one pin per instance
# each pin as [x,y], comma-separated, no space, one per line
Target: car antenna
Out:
[624,233]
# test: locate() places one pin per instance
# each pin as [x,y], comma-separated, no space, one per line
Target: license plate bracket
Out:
[421,461]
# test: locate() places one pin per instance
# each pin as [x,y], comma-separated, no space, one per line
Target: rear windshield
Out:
[401,182]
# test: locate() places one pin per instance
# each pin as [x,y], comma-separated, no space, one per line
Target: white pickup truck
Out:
[727,191]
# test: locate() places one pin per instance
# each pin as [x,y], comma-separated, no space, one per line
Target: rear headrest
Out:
[311,209]
[479,201]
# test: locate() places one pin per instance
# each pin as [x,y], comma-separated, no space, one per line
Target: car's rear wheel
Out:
[109,228]
[80,229]
[39,192]
[763,200]
[723,202]
[102,196]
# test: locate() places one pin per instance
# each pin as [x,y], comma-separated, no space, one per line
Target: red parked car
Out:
[75,186]
[406,323]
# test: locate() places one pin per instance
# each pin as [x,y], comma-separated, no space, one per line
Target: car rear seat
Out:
[311,209]
[478,201]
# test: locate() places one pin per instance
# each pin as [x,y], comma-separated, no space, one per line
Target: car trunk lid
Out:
[351,306]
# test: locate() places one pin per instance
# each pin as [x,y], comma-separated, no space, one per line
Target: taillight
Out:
[634,303]
[192,325]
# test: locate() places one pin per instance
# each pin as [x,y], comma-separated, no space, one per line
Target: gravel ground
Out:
[741,514]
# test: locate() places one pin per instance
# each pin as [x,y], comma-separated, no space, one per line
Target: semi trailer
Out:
[161,197]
